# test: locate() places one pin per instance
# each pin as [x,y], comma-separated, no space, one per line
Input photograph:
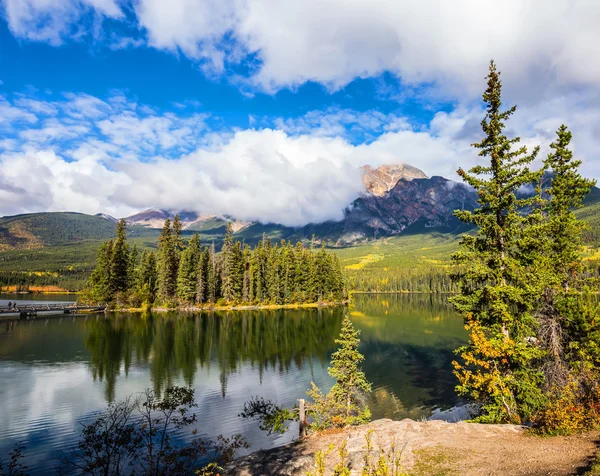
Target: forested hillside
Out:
[59,249]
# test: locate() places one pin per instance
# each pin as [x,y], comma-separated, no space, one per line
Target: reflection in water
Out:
[56,372]
[174,345]
[408,342]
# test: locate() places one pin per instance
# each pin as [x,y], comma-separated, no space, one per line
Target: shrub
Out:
[571,409]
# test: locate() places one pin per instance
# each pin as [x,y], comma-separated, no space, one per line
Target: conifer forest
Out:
[184,273]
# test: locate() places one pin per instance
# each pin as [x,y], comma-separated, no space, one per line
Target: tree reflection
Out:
[174,345]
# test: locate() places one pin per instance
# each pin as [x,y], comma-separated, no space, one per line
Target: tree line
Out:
[527,300]
[402,280]
[184,272]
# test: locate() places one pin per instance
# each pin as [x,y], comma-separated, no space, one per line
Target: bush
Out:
[571,409]
[139,434]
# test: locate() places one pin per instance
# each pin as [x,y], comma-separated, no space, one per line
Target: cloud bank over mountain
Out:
[111,153]
[86,154]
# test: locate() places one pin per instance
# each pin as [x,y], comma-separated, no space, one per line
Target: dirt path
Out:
[436,448]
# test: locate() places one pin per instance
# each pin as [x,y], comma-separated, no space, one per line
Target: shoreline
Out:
[249,307]
[191,309]
[431,447]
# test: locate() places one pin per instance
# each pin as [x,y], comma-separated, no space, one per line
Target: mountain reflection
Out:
[174,345]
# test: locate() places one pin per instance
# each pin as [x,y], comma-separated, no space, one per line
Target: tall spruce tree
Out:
[210,274]
[148,277]
[167,262]
[100,281]
[132,270]
[187,278]
[228,271]
[350,381]
[567,318]
[201,277]
[246,286]
[498,293]
[567,191]
[120,263]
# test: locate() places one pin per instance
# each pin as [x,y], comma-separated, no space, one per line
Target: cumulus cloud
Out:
[333,42]
[540,45]
[53,21]
[87,154]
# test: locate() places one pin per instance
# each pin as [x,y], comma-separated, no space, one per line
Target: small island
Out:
[188,276]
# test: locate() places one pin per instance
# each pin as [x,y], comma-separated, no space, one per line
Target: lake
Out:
[57,372]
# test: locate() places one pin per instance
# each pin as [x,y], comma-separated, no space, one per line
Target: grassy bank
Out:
[210,308]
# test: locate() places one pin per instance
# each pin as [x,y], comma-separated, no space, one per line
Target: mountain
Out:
[37,230]
[414,204]
[398,199]
[381,180]
[365,218]
[192,221]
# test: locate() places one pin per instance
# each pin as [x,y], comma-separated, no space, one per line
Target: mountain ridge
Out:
[414,204]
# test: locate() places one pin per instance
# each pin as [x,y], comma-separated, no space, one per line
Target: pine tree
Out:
[120,264]
[100,281]
[338,279]
[246,289]
[300,273]
[148,277]
[167,262]
[228,273]
[210,274]
[132,273]
[566,317]
[272,273]
[201,276]
[187,277]
[567,191]
[351,384]
[177,227]
[498,292]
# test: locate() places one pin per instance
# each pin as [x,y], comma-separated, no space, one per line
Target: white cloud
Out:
[54,20]
[334,41]
[86,154]
[9,114]
[541,46]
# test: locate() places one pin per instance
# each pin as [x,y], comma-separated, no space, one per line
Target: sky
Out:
[265,109]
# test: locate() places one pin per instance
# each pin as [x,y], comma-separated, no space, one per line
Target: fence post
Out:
[302,418]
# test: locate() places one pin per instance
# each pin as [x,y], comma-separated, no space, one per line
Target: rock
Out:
[429,447]
[381,180]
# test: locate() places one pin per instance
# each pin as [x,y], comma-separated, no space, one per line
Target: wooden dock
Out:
[29,310]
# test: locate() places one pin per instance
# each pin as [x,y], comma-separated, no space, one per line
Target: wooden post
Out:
[302,418]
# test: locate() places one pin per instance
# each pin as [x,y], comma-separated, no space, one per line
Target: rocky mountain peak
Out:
[381,180]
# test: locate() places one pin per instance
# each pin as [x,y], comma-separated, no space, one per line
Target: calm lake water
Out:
[56,373]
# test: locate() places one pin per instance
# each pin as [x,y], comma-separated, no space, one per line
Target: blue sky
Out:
[217,106]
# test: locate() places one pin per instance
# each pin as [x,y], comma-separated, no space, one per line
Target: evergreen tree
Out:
[498,293]
[567,191]
[100,281]
[167,262]
[187,277]
[210,274]
[271,275]
[300,273]
[148,277]
[350,381]
[246,288]
[201,276]
[120,264]
[133,265]
[228,272]
[567,320]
